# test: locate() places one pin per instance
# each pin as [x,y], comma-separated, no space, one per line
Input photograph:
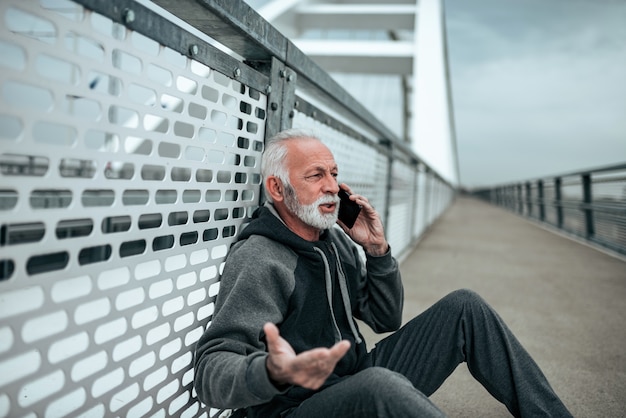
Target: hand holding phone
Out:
[348,209]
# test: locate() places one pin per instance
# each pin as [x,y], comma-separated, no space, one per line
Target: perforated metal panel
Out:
[429,189]
[420,215]
[126,171]
[402,205]
[443,196]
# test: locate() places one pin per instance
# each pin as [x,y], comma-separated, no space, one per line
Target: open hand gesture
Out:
[309,369]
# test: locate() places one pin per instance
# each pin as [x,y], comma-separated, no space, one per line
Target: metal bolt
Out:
[282,73]
[193,50]
[268,89]
[274,106]
[290,78]
[129,16]
[237,72]
[292,114]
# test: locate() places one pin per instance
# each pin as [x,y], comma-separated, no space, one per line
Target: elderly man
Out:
[283,341]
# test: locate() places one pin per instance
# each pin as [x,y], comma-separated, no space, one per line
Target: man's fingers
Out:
[346,187]
[340,349]
[320,363]
[271,335]
[328,355]
[324,360]
[271,331]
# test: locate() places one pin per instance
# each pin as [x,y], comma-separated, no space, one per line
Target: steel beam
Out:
[356,16]
[232,23]
[363,57]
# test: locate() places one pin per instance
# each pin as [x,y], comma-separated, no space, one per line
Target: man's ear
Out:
[275,188]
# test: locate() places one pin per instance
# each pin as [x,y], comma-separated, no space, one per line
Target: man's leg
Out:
[372,393]
[463,327]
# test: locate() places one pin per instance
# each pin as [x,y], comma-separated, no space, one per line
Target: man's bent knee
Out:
[389,392]
[377,379]
[463,298]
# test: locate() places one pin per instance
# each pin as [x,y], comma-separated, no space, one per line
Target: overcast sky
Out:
[539,86]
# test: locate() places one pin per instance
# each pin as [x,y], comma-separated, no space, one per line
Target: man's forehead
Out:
[310,151]
[317,166]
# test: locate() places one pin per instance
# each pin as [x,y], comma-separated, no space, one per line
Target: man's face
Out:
[313,175]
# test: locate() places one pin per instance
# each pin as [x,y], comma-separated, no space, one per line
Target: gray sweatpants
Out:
[408,366]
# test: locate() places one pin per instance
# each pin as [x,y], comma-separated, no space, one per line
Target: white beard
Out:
[310,214]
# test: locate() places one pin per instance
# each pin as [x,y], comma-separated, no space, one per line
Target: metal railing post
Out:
[587,206]
[540,201]
[281,98]
[388,144]
[413,223]
[427,196]
[529,201]
[557,202]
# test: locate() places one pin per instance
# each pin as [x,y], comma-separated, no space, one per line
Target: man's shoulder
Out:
[259,243]
[259,248]
[263,262]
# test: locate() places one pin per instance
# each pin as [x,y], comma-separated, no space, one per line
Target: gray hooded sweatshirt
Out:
[311,290]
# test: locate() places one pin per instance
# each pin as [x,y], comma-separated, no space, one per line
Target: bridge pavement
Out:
[565,301]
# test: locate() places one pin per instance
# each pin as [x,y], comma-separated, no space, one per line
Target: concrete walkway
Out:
[565,301]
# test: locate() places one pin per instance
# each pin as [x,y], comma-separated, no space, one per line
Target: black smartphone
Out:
[348,210]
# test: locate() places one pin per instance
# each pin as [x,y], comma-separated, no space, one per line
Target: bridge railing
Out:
[131,138]
[589,204]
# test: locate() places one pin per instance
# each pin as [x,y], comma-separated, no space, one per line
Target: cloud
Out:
[541,98]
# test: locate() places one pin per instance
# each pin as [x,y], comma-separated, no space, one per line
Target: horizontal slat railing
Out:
[589,204]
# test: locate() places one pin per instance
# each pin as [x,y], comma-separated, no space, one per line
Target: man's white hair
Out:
[273,162]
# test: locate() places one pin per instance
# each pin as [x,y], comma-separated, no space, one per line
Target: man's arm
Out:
[230,357]
[381,296]
[236,365]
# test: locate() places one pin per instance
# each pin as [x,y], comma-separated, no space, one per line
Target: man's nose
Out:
[331,185]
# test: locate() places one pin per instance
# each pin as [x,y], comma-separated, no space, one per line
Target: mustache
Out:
[327,199]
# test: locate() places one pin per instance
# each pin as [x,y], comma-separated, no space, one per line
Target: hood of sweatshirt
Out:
[266,222]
